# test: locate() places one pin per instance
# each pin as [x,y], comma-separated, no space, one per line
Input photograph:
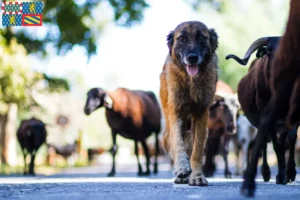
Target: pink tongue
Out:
[192,70]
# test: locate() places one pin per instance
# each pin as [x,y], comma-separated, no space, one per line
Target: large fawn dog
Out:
[187,87]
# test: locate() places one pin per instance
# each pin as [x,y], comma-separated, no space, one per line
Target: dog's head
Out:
[191,45]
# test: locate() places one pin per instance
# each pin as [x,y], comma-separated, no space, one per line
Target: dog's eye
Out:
[182,39]
[202,38]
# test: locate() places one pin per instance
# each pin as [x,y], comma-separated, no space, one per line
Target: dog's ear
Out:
[213,37]
[170,39]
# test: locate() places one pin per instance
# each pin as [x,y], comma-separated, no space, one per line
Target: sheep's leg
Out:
[237,150]
[291,168]
[146,151]
[25,163]
[279,148]
[155,166]
[136,150]
[209,166]
[245,155]
[227,173]
[265,169]
[267,124]
[114,150]
[31,167]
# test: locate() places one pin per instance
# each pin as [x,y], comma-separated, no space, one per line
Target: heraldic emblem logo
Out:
[22,13]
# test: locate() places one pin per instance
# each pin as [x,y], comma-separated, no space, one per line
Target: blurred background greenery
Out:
[28,88]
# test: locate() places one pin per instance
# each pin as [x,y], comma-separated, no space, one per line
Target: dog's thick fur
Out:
[186,98]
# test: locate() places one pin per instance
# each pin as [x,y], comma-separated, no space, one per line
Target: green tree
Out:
[18,82]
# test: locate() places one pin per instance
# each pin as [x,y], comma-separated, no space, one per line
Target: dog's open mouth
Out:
[192,69]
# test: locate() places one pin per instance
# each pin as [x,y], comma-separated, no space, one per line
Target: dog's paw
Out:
[198,180]
[182,178]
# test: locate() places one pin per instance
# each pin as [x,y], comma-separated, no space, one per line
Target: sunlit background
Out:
[125,56]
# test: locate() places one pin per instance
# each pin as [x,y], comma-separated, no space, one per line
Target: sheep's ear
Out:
[101,92]
[213,37]
[170,39]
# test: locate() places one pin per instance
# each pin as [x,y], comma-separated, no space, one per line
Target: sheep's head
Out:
[95,100]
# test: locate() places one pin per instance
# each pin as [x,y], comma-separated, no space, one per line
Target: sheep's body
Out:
[254,94]
[133,114]
[285,71]
[31,135]
[284,84]
[220,126]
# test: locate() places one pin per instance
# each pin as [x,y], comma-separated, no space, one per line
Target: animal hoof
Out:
[266,173]
[31,173]
[111,174]
[208,171]
[237,173]
[147,173]
[227,174]
[182,177]
[198,180]
[281,179]
[291,175]
[155,171]
[248,188]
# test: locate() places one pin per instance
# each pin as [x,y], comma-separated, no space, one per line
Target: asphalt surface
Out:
[89,183]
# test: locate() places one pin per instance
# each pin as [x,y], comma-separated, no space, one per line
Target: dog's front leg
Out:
[178,151]
[199,132]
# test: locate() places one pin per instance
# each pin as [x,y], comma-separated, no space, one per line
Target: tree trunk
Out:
[3,122]
[8,140]
[11,137]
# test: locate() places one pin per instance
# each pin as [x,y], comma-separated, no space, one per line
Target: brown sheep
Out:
[220,126]
[134,114]
[255,85]
[284,75]
[31,135]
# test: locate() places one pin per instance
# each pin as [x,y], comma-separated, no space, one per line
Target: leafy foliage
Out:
[56,84]
[18,81]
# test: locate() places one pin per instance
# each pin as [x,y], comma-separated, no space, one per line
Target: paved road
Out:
[87,183]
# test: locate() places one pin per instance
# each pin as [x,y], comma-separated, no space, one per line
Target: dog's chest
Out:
[189,101]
